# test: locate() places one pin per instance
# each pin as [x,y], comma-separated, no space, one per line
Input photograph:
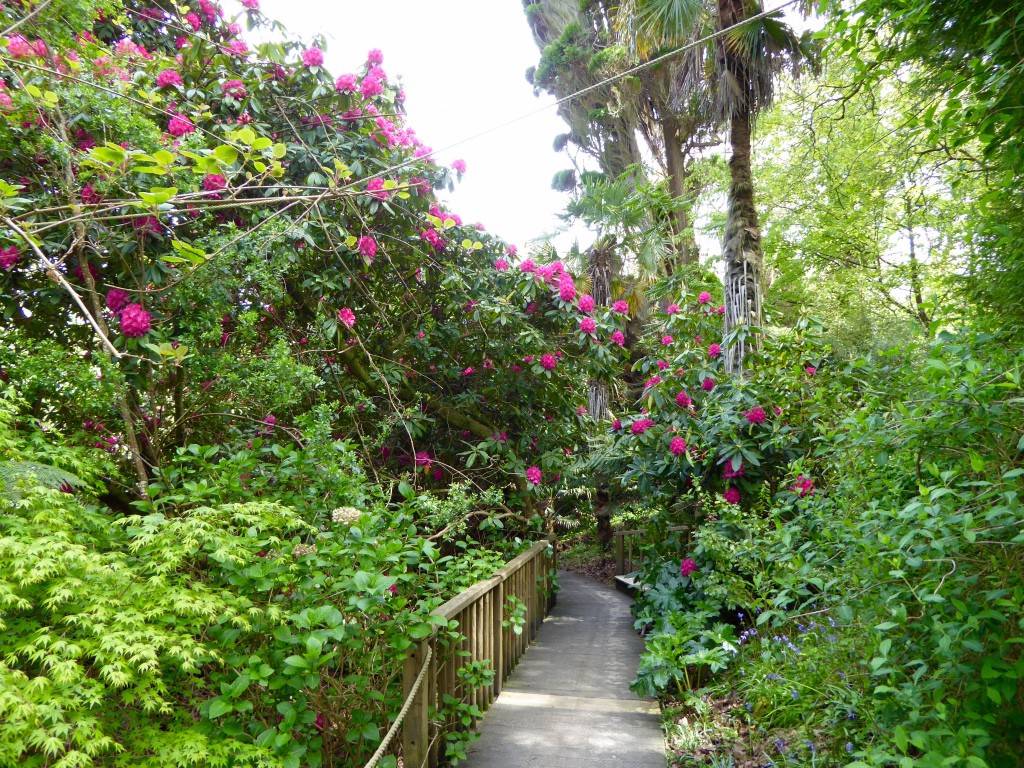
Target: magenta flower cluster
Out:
[534,476]
[135,321]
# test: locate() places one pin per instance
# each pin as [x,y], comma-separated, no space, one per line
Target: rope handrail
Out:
[402,712]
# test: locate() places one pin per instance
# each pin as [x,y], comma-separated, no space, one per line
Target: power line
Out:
[609,80]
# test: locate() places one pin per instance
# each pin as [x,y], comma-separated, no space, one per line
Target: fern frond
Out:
[11,472]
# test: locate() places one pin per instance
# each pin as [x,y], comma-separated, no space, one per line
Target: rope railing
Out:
[390,735]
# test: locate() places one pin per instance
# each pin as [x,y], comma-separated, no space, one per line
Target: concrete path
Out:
[568,703]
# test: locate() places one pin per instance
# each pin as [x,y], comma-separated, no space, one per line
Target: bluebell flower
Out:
[795,695]
[849,747]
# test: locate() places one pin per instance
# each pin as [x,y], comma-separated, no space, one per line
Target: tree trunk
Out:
[742,246]
[676,168]
[600,270]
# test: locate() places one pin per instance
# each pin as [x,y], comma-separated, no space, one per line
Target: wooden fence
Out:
[482,614]
[627,547]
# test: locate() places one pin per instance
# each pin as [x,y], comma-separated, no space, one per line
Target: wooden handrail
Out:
[624,553]
[479,611]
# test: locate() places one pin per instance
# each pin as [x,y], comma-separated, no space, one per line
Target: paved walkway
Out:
[568,703]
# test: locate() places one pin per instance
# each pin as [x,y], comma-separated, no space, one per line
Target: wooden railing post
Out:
[499,637]
[620,554]
[415,729]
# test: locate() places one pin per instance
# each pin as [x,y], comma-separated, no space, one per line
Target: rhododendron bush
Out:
[233,305]
[245,234]
[692,426]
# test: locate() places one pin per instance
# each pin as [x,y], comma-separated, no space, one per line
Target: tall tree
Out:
[730,80]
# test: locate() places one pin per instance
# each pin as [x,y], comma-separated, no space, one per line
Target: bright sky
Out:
[463,65]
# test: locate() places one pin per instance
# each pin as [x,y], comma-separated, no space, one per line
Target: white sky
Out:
[463,65]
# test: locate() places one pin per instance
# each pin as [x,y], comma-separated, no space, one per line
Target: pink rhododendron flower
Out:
[527,266]
[534,475]
[732,495]
[213,182]
[618,338]
[234,88]
[501,265]
[469,371]
[662,365]
[678,446]
[708,384]
[729,473]
[168,77]
[548,362]
[671,309]
[135,321]
[511,250]
[194,21]
[431,236]
[683,400]
[80,274]
[756,415]
[714,351]
[5,100]
[587,325]
[252,5]
[20,48]
[810,370]
[704,298]
[375,187]
[375,57]
[687,567]
[666,339]
[586,303]
[313,57]
[460,166]
[371,86]
[617,425]
[89,195]
[367,247]
[803,486]
[640,426]
[566,288]
[180,126]
[117,300]
[651,382]
[238,48]
[346,83]
[621,307]
[347,316]
[9,257]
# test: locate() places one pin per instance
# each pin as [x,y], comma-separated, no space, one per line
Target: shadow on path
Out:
[568,703]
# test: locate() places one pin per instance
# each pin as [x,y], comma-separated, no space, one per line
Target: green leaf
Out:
[226,154]
[406,490]
[220,707]
[158,195]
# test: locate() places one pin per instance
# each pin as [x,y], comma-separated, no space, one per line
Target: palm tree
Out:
[727,82]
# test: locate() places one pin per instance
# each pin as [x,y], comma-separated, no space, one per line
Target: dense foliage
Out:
[267,402]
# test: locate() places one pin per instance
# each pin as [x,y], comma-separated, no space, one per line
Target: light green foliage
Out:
[863,222]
